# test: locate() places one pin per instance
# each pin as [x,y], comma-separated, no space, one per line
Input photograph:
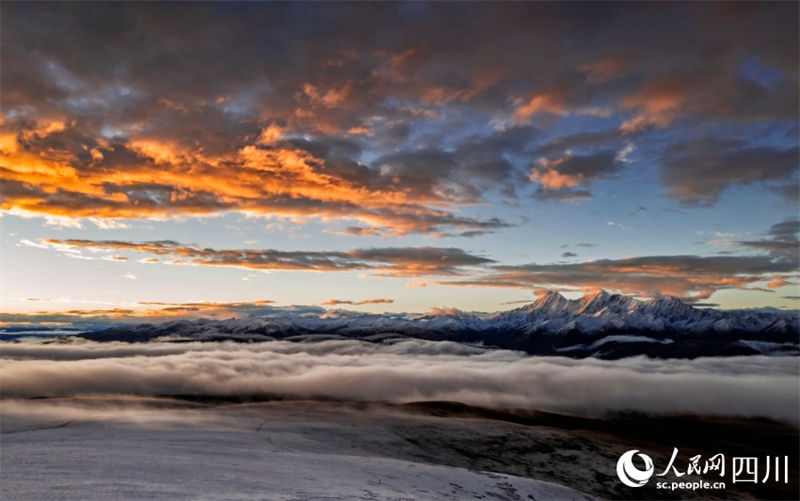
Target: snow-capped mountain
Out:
[601,324]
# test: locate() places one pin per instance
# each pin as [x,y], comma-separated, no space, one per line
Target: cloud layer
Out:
[407,371]
[390,116]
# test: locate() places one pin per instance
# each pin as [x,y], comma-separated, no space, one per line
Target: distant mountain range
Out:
[601,325]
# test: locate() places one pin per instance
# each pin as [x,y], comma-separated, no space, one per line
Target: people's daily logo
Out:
[629,474]
[635,469]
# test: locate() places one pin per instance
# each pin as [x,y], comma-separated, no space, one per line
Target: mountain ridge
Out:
[602,324]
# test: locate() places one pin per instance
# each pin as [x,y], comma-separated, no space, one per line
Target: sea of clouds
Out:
[409,370]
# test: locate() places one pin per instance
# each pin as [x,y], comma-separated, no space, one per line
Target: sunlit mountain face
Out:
[483,250]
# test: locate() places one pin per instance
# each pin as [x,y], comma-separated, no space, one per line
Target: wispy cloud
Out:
[386,261]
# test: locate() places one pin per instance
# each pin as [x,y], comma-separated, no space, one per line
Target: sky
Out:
[209,158]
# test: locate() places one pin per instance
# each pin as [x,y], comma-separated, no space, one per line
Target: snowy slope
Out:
[276,452]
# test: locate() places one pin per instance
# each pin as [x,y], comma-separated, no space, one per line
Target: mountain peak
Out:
[668,300]
[598,294]
[549,301]
[601,301]
[668,306]
[593,302]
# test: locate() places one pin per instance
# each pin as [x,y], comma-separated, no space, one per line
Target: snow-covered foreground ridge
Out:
[600,324]
[101,450]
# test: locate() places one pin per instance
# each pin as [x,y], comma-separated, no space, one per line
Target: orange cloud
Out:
[200,308]
[359,131]
[162,178]
[330,99]
[658,104]
[271,134]
[551,179]
[444,312]
[334,302]
[43,128]
[554,101]
[551,101]
[778,283]
[116,258]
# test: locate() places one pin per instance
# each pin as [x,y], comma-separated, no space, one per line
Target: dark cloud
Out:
[562,194]
[581,140]
[696,172]
[568,177]
[789,192]
[640,209]
[782,241]
[464,173]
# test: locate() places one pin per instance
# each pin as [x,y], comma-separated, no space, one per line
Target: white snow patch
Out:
[614,339]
